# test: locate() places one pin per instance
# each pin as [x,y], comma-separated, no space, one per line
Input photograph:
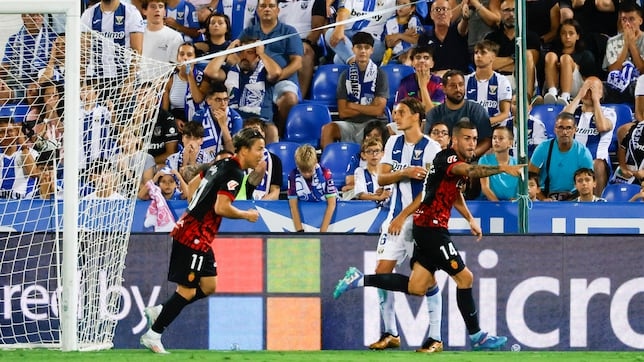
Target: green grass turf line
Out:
[126,355]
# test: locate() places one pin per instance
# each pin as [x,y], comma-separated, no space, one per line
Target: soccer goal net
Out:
[72,161]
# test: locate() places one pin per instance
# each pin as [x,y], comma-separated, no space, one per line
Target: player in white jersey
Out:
[404,165]
[488,88]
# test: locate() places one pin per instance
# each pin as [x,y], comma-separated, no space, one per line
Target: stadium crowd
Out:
[583,86]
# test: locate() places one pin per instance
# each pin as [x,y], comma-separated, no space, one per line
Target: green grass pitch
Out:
[314,356]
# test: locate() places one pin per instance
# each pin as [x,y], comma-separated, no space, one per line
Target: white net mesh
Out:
[120,97]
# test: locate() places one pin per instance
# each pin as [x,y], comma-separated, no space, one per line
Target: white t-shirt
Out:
[639,86]
[162,46]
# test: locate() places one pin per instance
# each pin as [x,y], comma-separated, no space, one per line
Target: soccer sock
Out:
[552,90]
[387,309]
[393,282]
[171,309]
[565,95]
[467,307]
[435,307]
[200,294]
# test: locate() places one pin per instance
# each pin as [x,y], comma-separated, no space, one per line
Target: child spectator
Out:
[366,178]
[373,130]
[165,178]
[264,182]
[217,35]
[585,185]
[500,187]
[189,154]
[439,132]
[105,181]
[310,182]
[129,160]
[401,32]
[534,192]
[422,84]
[567,65]
[186,90]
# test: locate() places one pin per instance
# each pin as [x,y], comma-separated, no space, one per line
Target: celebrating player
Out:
[192,262]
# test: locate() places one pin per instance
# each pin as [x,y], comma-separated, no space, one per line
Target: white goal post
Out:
[71,9]
[57,274]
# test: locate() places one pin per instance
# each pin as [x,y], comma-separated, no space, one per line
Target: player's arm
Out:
[462,209]
[386,177]
[395,226]
[224,207]
[480,171]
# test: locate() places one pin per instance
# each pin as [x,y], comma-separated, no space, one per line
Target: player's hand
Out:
[514,170]
[416,172]
[252,215]
[476,230]
[395,226]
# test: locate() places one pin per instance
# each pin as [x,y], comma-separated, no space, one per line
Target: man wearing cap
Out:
[362,95]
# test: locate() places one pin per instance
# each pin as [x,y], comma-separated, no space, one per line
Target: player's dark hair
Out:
[415,106]
[464,123]
[246,138]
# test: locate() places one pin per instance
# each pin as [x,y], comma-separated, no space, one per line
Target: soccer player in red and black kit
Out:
[433,247]
[192,262]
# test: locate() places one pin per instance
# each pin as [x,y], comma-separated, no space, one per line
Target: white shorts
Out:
[396,247]
[577,82]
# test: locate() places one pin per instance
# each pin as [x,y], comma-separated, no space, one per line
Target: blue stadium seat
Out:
[547,113]
[325,83]
[395,73]
[624,115]
[620,192]
[15,111]
[335,157]
[304,123]
[286,152]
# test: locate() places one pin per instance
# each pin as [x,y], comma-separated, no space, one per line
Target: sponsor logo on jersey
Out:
[232,184]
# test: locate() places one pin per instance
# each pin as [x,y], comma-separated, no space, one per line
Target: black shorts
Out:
[435,250]
[187,266]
